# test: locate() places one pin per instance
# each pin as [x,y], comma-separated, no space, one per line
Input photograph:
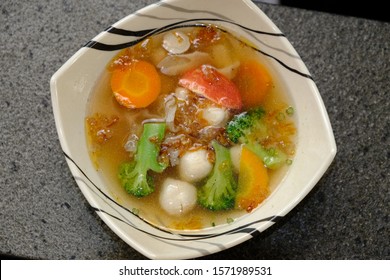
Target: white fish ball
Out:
[181,93]
[215,116]
[194,165]
[177,197]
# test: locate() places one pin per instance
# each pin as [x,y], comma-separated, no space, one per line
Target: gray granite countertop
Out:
[43,214]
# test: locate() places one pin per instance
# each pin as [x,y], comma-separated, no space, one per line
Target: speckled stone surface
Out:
[43,214]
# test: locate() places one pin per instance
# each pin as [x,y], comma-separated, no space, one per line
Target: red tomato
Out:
[208,82]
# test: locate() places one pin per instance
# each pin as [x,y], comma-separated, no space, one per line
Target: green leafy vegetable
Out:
[219,191]
[247,126]
[134,176]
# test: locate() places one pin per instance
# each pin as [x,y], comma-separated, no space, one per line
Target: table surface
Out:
[44,214]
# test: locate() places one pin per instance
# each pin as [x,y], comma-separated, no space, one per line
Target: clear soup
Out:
[203,84]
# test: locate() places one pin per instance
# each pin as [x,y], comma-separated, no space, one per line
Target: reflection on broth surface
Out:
[190,129]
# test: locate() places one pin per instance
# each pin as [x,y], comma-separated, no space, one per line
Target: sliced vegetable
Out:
[210,83]
[176,42]
[136,85]
[230,71]
[173,65]
[254,82]
[252,181]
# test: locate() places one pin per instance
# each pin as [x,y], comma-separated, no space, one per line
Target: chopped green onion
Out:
[135,211]
[229,220]
[289,161]
[290,111]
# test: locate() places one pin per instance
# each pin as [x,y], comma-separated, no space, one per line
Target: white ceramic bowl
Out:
[72,84]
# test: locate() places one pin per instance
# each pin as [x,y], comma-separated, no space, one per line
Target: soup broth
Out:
[199,82]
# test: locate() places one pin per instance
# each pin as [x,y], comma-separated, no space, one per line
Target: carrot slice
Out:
[254,82]
[207,81]
[252,181]
[137,85]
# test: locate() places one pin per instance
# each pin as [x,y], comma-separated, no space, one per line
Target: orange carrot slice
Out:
[208,82]
[254,82]
[136,85]
[252,181]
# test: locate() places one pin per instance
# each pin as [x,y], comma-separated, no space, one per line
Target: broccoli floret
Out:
[247,126]
[219,191]
[134,175]
[272,158]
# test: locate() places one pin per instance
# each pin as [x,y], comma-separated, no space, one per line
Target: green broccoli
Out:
[272,158]
[219,191]
[134,175]
[249,128]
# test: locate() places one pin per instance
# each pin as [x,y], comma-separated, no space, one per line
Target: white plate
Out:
[72,84]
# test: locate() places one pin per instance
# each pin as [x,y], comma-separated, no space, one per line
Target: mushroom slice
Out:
[230,71]
[176,42]
[173,65]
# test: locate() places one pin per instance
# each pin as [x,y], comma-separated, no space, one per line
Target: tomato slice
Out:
[210,83]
